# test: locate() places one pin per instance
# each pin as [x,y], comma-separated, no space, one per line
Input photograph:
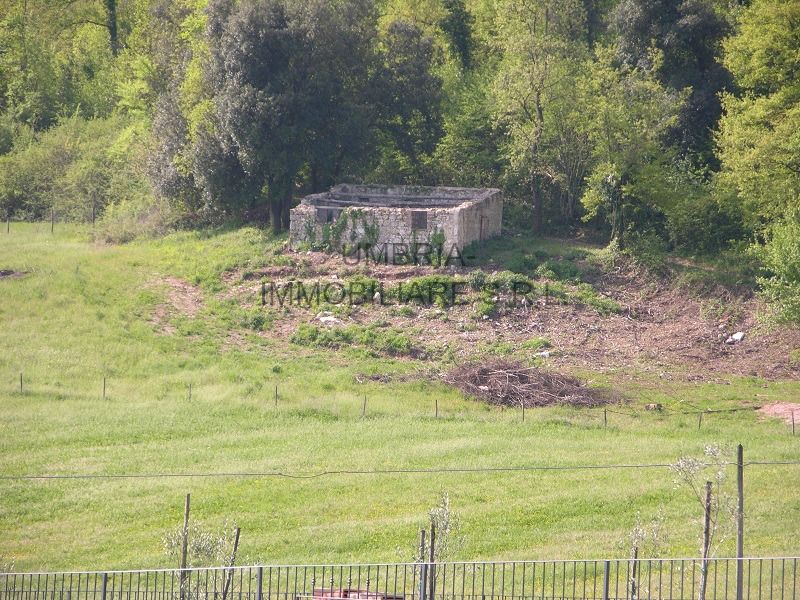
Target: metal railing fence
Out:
[774,578]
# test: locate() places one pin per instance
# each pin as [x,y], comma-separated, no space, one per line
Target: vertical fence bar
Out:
[606,573]
[739,520]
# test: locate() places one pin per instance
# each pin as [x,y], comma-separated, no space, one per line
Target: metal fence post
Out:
[104,587]
[259,581]
[739,521]
[606,577]
[423,571]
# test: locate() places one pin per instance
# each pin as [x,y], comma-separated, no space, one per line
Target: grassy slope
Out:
[83,312]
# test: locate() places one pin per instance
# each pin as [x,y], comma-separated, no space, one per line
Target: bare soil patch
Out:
[508,383]
[183,296]
[676,332]
[782,410]
[183,299]
[10,273]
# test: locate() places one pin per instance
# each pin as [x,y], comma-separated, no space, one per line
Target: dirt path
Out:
[183,299]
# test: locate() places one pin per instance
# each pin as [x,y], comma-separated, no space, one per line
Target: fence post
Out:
[423,571]
[634,564]
[184,545]
[706,542]
[104,587]
[739,521]
[229,574]
[432,569]
[606,577]
[259,583]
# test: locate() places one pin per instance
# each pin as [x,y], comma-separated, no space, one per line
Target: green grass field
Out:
[84,311]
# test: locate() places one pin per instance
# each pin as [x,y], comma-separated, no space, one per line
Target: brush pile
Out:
[508,383]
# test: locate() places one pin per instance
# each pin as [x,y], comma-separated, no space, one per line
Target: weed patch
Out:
[385,341]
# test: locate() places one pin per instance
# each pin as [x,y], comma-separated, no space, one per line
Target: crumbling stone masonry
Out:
[378,215]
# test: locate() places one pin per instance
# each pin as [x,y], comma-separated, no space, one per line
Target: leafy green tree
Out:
[57,56]
[541,52]
[408,99]
[781,259]
[457,27]
[688,36]
[759,141]
[759,136]
[469,152]
[630,112]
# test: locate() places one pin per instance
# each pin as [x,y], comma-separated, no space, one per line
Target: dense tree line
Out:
[670,123]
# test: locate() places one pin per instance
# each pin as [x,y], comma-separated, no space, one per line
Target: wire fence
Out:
[774,578]
[360,406]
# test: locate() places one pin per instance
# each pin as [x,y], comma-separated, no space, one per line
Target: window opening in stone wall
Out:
[327,215]
[419,219]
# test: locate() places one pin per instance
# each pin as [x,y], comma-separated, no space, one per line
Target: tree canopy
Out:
[674,120]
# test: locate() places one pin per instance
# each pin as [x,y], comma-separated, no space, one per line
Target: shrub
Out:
[794,357]
[484,308]
[429,289]
[559,270]
[477,279]
[648,250]
[388,341]
[702,225]
[523,263]
[553,290]
[500,348]
[257,319]
[75,168]
[586,294]
[506,281]
[536,343]
[781,258]
[136,217]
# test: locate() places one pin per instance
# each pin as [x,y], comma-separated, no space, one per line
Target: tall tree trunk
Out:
[24,37]
[286,205]
[111,23]
[275,210]
[617,222]
[538,206]
[592,22]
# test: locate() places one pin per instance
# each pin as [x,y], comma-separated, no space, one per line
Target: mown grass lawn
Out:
[83,312]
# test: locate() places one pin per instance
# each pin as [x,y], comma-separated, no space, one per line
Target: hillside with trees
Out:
[658,126]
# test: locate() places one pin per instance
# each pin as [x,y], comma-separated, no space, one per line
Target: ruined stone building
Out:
[380,215]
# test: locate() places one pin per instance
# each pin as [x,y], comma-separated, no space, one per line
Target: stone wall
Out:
[380,215]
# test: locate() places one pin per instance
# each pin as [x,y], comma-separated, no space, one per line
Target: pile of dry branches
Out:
[508,383]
